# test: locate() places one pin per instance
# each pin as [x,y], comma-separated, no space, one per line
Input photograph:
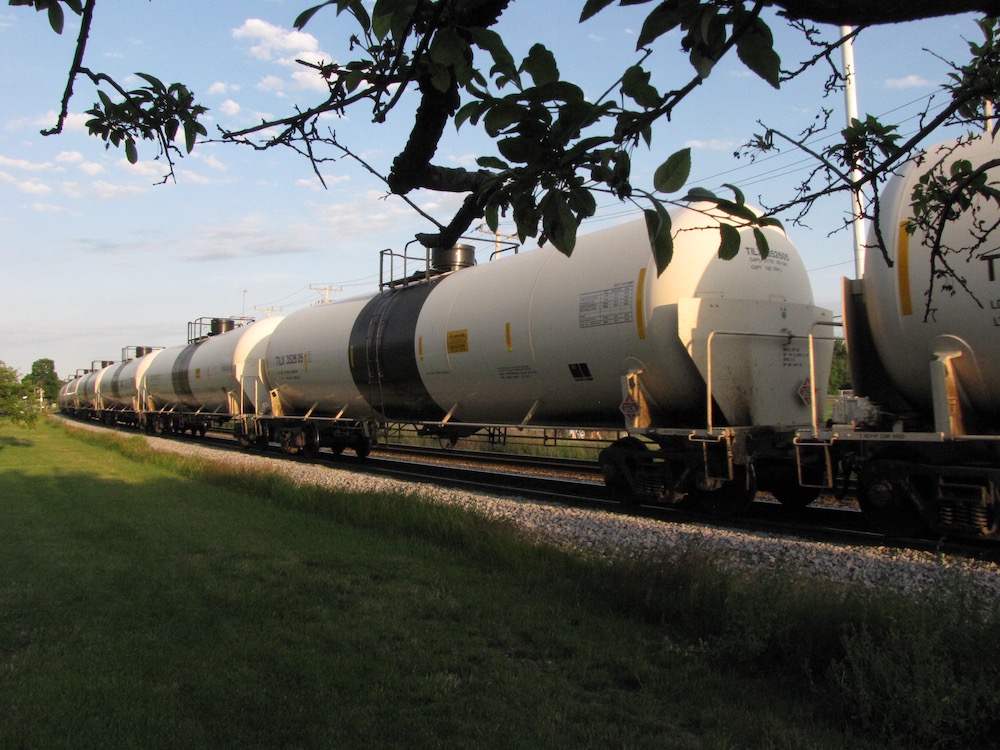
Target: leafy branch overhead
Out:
[556,150]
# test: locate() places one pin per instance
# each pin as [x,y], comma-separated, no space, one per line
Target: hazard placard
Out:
[805,392]
[629,407]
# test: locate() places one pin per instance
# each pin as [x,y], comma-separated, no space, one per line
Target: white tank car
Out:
[201,376]
[308,362]
[86,393]
[248,362]
[121,390]
[931,313]
[216,367]
[546,339]
[157,384]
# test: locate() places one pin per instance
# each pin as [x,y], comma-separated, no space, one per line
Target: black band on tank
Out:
[179,376]
[383,355]
[116,379]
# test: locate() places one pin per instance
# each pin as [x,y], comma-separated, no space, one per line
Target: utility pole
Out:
[325,289]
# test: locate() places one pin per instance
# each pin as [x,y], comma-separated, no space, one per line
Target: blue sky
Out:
[97,257]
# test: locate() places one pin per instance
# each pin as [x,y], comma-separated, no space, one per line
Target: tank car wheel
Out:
[732,498]
[619,464]
[311,435]
[362,447]
[888,499]
[242,438]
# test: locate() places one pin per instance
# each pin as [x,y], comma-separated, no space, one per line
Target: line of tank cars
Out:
[715,372]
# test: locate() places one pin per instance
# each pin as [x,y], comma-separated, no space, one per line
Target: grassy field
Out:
[149,601]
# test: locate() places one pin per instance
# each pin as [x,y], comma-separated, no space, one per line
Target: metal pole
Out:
[851,111]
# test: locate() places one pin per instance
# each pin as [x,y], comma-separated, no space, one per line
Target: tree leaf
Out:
[130,151]
[154,83]
[492,162]
[729,244]
[673,173]
[664,17]
[540,64]
[558,222]
[503,61]
[593,7]
[696,194]
[756,49]
[305,16]
[470,111]
[661,240]
[762,247]
[56,18]
[635,84]
[501,116]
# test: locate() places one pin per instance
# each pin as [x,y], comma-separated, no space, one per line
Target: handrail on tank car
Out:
[206,327]
[389,260]
[134,352]
[405,259]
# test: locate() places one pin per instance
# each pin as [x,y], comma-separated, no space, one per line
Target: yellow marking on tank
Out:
[420,348]
[903,270]
[350,355]
[458,341]
[640,286]
[510,345]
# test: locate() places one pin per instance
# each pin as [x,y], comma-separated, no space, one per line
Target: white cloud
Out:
[48,208]
[466,160]
[25,165]
[248,236]
[91,168]
[148,168]
[230,107]
[713,144]
[76,158]
[271,83]
[210,160]
[310,80]
[277,43]
[108,190]
[907,82]
[221,87]
[31,187]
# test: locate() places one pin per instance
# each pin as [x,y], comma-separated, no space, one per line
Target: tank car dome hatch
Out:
[222,325]
[929,310]
[445,259]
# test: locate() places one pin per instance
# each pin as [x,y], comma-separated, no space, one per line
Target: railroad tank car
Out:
[922,430]
[119,393]
[86,394]
[206,381]
[67,396]
[717,347]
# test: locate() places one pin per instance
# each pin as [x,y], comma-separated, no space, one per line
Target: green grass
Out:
[152,601]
